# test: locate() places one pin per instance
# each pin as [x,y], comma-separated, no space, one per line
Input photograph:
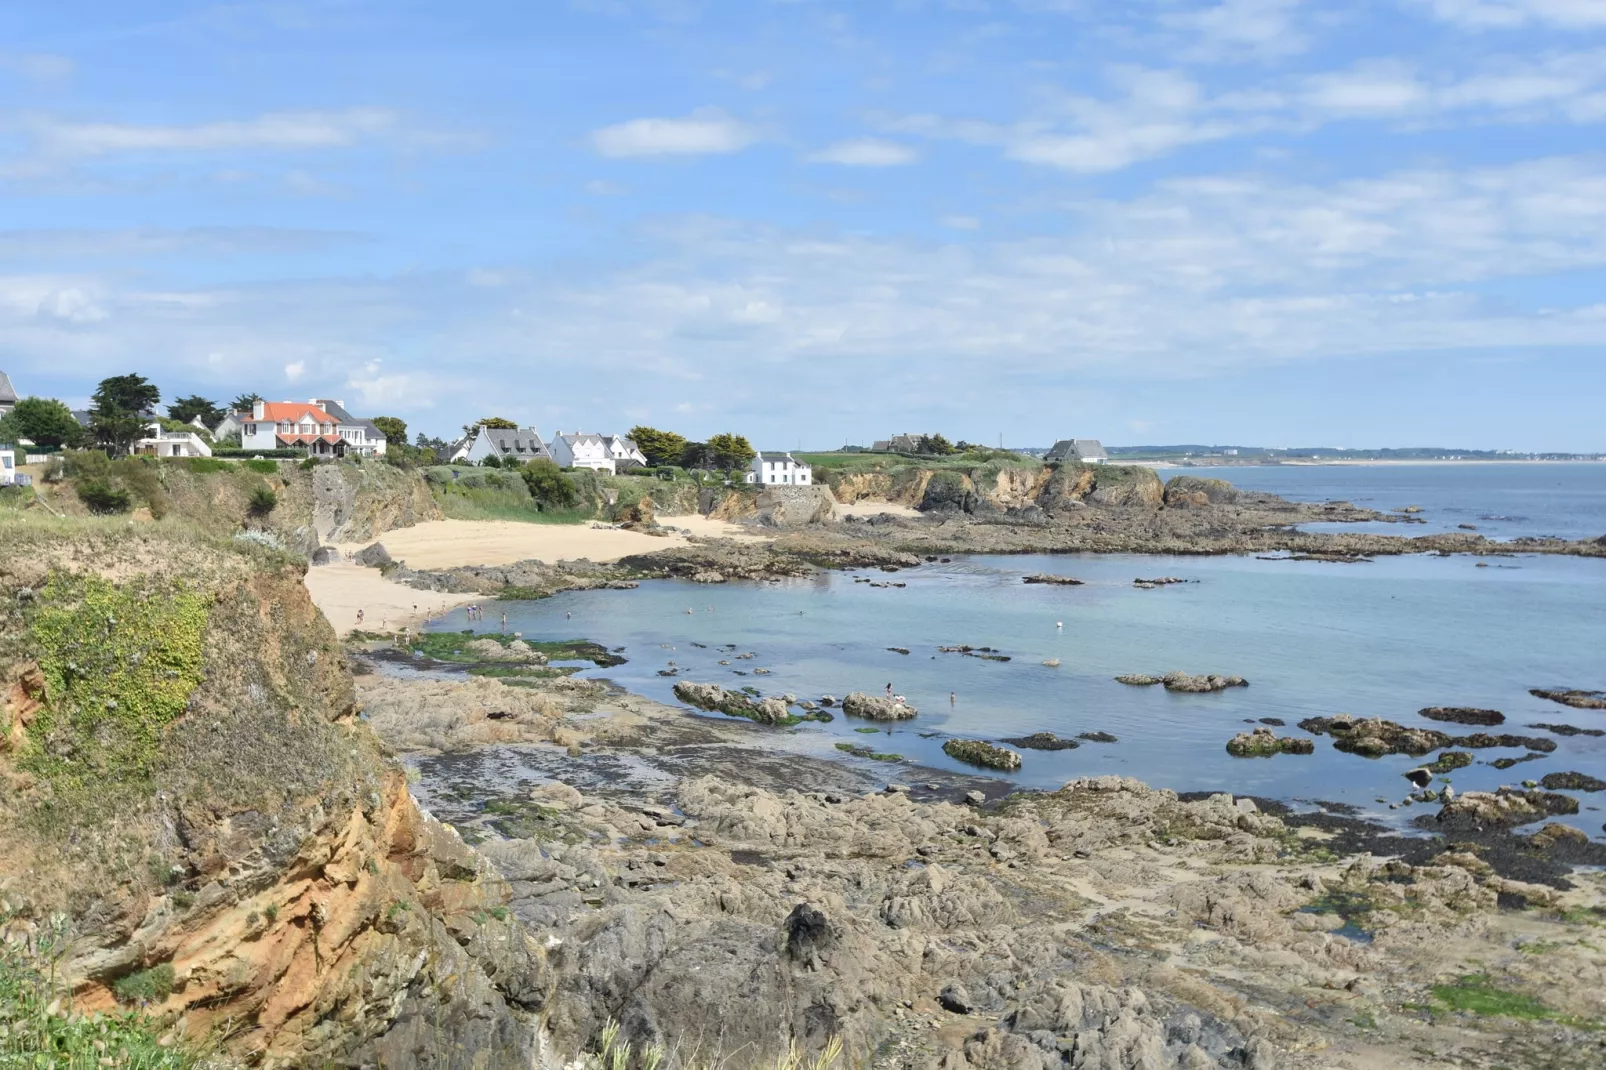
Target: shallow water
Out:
[1383,638]
[1503,501]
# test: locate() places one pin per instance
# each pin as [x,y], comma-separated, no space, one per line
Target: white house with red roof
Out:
[292,425]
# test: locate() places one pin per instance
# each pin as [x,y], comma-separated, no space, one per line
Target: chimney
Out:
[258,409]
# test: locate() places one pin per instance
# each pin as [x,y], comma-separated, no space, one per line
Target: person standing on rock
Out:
[889,689]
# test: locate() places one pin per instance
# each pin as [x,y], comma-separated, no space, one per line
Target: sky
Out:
[1273,222]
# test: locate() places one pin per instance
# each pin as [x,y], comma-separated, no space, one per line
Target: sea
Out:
[1382,638]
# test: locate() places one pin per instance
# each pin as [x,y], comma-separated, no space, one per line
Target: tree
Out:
[186,409]
[731,450]
[659,447]
[548,485]
[245,402]
[697,455]
[496,423]
[393,428]
[45,422]
[116,418]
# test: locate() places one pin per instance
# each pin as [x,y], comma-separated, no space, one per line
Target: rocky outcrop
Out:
[1264,743]
[793,507]
[979,752]
[288,894]
[1463,715]
[712,697]
[1184,682]
[1572,782]
[373,555]
[1505,807]
[352,502]
[1052,580]
[1578,700]
[876,707]
[1194,491]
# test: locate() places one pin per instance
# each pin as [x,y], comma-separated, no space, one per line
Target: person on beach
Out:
[359,618]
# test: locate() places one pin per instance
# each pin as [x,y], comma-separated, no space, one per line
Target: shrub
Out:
[263,467]
[308,465]
[146,986]
[548,486]
[141,475]
[263,501]
[491,461]
[208,464]
[101,497]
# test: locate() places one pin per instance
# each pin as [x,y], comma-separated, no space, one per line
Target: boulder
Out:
[1137,679]
[877,708]
[978,752]
[1043,741]
[324,555]
[1572,782]
[794,507]
[373,556]
[1181,681]
[712,697]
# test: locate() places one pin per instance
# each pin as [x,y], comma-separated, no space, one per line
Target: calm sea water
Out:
[1503,501]
[1385,638]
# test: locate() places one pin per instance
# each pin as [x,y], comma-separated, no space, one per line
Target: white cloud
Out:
[960,222]
[1372,89]
[866,152]
[1233,29]
[1509,14]
[282,130]
[295,370]
[71,305]
[706,131]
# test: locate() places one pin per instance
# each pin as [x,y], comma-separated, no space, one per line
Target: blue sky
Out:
[1258,221]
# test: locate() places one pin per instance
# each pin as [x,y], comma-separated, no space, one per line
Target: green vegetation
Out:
[145,986]
[1476,993]
[119,665]
[183,410]
[452,647]
[115,420]
[45,422]
[890,463]
[867,730]
[659,447]
[263,501]
[859,750]
[261,467]
[38,1027]
[206,465]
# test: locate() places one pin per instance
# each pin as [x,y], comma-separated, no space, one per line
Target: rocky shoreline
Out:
[947,927]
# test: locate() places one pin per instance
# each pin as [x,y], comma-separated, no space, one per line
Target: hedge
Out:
[287,455]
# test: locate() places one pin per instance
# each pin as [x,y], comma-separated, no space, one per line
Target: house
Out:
[281,425]
[898,444]
[84,417]
[777,469]
[233,423]
[1086,450]
[600,453]
[8,395]
[507,445]
[158,442]
[362,437]
[624,452]
[8,464]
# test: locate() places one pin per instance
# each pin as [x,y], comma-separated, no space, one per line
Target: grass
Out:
[145,986]
[38,1027]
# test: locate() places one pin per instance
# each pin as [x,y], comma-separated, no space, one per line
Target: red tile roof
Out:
[280,411]
[302,440]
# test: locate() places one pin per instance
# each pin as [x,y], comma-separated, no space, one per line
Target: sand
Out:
[449,543]
[341,589]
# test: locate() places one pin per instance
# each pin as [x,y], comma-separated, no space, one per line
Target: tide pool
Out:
[1381,639]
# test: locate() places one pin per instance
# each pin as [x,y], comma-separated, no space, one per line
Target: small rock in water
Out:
[1463,715]
[975,798]
[1097,737]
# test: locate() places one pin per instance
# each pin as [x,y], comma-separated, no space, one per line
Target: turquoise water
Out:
[1503,501]
[1384,638]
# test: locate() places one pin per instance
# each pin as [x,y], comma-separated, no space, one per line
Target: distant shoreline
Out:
[1339,463]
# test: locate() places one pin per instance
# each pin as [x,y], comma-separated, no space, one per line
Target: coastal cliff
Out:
[184,777]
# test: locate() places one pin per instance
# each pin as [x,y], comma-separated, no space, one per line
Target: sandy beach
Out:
[874,509]
[343,588]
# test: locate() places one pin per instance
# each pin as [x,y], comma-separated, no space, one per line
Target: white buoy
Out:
[1060,625]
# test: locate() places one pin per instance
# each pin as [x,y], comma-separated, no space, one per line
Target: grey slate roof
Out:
[333,409]
[1076,449]
[769,455]
[7,392]
[520,443]
[82,416]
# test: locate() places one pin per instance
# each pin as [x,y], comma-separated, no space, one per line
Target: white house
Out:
[600,453]
[361,436]
[8,396]
[158,442]
[282,425]
[624,452]
[772,469]
[1086,450]
[508,445]
[8,466]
